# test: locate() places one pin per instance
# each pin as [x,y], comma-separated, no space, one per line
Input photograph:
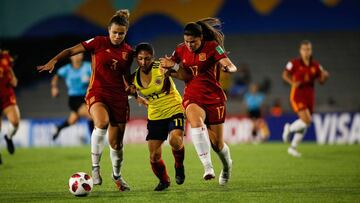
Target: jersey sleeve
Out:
[176,55]
[290,67]
[62,71]
[91,44]
[219,52]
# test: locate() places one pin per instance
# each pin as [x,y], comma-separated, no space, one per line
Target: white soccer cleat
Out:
[209,173]
[293,152]
[121,184]
[286,133]
[97,180]
[225,175]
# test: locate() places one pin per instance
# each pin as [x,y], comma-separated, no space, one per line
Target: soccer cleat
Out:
[9,144]
[162,186]
[225,175]
[293,152]
[121,184]
[209,173]
[286,133]
[97,180]
[180,175]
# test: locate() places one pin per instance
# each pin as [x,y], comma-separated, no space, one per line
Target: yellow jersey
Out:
[164,99]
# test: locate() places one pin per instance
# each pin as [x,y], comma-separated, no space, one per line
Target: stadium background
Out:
[262,34]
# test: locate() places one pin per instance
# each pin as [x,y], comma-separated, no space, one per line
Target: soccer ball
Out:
[80,184]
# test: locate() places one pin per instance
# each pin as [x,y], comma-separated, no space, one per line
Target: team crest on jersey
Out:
[158,81]
[313,70]
[202,57]
[124,55]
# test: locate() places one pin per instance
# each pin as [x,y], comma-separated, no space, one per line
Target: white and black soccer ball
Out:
[80,184]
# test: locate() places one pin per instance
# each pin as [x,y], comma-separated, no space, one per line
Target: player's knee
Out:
[196,123]
[115,144]
[176,142]
[102,124]
[155,157]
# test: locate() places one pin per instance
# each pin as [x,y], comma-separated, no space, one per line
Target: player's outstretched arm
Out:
[166,62]
[227,65]
[324,75]
[14,80]
[49,66]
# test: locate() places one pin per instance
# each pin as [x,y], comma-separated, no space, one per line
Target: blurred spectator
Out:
[276,109]
[254,101]
[265,85]
[241,81]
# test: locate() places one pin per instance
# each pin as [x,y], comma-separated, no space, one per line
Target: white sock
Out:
[297,138]
[11,131]
[298,126]
[116,160]
[201,141]
[225,156]
[97,145]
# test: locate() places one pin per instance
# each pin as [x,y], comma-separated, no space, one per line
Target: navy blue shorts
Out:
[159,129]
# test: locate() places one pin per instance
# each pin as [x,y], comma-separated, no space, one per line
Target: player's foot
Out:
[225,175]
[209,173]
[97,180]
[9,144]
[293,152]
[286,133]
[121,184]
[56,134]
[162,186]
[180,175]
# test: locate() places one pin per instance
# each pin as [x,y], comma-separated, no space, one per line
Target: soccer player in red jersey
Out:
[301,73]
[8,106]
[202,55]
[107,99]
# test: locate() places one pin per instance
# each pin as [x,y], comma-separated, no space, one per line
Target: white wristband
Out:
[176,67]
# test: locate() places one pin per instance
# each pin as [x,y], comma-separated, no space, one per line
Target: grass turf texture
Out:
[264,173]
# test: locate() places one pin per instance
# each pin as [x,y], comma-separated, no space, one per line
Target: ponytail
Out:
[121,17]
[209,28]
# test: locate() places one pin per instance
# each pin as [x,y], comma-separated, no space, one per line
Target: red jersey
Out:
[302,97]
[204,87]
[6,62]
[302,73]
[109,65]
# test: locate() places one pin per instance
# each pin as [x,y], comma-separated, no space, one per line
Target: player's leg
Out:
[83,112]
[116,135]
[0,131]
[178,150]
[71,120]
[299,127]
[158,164]
[222,150]
[13,115]
[100,116]
[200,137]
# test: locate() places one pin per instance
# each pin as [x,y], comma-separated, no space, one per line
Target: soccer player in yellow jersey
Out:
[165,114]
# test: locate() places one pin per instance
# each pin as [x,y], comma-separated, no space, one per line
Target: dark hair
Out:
[144,47]
[208,28]
[121,17]
[305,42]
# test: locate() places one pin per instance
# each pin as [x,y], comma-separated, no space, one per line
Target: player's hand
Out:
[324,76]
[131,89]
[54,92]
[142,101]
[47,67]
[166,62]
[295,84]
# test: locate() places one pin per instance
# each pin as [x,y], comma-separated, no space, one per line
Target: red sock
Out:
[159,170]
[179,156]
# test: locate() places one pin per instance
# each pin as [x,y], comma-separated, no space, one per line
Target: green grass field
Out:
[261,173]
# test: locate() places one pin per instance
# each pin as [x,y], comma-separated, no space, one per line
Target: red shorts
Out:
[215,113]
[302,99]
[118,105]
[7,100]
